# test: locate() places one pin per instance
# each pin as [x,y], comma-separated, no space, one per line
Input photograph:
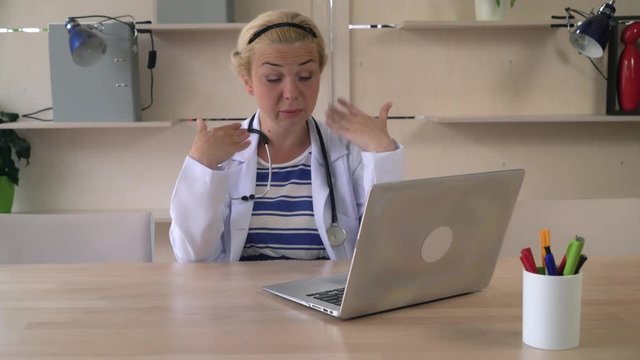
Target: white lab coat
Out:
[206,225]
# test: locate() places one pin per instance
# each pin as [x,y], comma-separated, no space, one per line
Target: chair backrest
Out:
[116,237]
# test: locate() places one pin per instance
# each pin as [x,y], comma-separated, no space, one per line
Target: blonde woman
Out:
[281,185]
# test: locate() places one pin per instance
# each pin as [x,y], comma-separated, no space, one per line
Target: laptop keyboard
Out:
[333,296]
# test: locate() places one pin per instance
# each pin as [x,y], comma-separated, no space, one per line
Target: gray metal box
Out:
[194,11]
[107,91]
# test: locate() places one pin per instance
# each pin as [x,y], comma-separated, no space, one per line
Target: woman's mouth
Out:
[290,112]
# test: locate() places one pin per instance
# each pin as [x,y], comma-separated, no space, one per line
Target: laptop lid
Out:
[422,240]
[428,239]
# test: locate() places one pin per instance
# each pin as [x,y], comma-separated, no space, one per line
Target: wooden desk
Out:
[196,311]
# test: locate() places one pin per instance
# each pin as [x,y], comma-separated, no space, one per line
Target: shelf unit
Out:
[405,25]
[34,124]
[470,119]
[157,28]
[192,27]
[511,119]
[427,25]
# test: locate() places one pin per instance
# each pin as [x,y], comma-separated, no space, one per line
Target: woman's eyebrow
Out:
[271,64]
[279,65]
[306,62]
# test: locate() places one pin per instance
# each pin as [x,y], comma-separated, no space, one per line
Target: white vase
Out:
[488,10]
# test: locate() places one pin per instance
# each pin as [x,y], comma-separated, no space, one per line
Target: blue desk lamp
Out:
[85,42]
[591,36]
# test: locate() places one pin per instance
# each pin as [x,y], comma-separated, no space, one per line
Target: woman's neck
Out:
[285,142]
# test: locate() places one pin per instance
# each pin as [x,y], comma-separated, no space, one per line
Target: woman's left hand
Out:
[369,133]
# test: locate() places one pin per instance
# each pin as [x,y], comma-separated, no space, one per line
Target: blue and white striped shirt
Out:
[282,223]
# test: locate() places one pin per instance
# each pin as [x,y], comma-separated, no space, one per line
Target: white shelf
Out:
[34,124]
[531,119]
[159,215]
[411,25]
[192,27]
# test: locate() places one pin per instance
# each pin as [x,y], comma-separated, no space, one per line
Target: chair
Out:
[107,237]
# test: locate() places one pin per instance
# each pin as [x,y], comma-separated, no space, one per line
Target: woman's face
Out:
[285,79]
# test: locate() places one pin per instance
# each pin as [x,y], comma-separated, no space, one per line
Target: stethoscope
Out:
[335,233]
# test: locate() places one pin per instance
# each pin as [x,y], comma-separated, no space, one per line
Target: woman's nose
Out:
[291,90]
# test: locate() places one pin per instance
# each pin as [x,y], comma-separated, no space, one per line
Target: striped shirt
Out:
[282,223]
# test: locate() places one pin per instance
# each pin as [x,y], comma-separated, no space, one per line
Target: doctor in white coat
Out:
[279,58]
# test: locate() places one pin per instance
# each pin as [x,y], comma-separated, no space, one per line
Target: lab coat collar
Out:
[251,151]
[336,147]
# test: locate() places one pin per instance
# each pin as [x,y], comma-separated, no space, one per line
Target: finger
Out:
[333,109]
[243,145]
[201,126]
[339,126]
[331,114]
[384,111]
[234,126]
[340,114]
[230,130]
[334,116]
[352,109]
[241,135]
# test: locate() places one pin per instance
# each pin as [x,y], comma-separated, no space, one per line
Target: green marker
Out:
[573,255]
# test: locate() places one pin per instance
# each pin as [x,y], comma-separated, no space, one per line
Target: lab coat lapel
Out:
[319,185]
[242,181]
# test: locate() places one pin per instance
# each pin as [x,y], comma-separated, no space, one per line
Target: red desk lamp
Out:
[629,69]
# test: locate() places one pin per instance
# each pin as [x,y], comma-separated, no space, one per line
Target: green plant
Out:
[511,2]
[10,143]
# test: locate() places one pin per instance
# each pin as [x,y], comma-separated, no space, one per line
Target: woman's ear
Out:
[248,84]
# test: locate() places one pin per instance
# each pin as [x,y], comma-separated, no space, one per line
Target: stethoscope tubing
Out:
[325,158]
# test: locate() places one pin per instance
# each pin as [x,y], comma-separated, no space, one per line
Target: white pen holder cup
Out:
[551,310]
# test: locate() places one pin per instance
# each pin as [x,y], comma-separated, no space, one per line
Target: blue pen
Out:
[550,262]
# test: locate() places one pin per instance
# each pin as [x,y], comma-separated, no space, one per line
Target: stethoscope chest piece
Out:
[336,235]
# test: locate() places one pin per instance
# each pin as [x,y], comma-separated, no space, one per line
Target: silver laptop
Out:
[419,240]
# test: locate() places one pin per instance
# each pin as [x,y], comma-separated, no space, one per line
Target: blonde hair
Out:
[241,57]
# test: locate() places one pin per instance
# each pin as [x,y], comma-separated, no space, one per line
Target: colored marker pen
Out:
[573,255]
[550,262]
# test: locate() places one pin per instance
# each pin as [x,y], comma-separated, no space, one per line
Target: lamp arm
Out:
[569,16]
[585,15]
[131,24]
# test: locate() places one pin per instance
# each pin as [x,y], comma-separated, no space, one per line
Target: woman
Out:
[260,190]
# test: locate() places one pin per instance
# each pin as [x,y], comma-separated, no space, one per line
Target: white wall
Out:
[442,72]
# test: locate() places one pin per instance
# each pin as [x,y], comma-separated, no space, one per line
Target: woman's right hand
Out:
[215,146]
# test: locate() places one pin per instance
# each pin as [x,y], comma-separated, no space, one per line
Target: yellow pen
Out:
[544,241]
[547,237]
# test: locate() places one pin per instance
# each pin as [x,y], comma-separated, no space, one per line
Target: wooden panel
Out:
[473,71]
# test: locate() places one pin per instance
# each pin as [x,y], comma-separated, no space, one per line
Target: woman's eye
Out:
[273,79]
[305,78]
